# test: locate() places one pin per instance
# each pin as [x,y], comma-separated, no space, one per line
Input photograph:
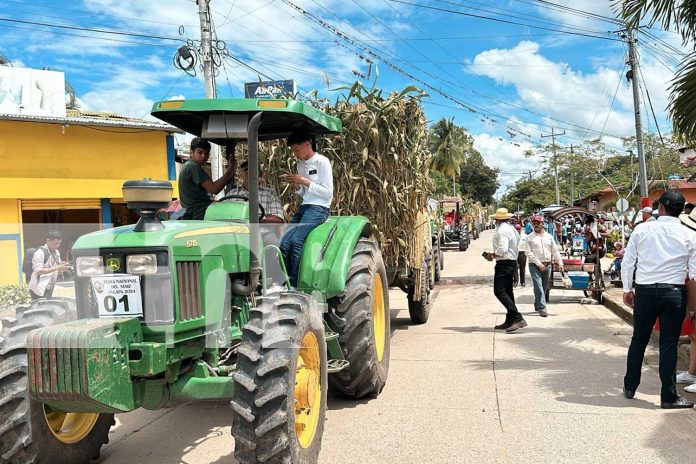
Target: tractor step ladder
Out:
[337,365]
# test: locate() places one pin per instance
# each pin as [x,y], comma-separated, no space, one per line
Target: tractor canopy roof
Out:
[225,120]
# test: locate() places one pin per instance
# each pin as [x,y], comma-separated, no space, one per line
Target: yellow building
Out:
[66,173]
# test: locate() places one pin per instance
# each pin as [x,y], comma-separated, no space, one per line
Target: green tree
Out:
[441,186]
[679,15]
[477,180]
[446,144]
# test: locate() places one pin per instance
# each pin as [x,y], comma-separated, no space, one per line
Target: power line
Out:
[522,16]
[69,34]
[499,20]
[101,31]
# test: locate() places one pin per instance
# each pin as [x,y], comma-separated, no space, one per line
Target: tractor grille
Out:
[189,282]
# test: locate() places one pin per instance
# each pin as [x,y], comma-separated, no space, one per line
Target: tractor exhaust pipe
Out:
[253,165]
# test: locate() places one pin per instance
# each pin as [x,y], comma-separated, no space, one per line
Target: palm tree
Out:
[445,143]
[680,15]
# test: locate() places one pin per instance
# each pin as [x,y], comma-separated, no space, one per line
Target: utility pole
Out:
[633,63]
[572,177]
[555,161]
[209,75]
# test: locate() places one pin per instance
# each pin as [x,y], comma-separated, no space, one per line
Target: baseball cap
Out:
[647,210]
[672,198]
[537,218]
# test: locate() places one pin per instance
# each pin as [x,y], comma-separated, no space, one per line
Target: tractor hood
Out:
[187,234]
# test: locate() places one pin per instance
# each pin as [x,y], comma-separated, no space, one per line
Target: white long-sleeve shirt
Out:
[542,248]
[505,242]
[318,170]
[661,252]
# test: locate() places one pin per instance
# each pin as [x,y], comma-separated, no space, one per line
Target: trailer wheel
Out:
[419,310]
[279,402]
[30,432]
[362,322]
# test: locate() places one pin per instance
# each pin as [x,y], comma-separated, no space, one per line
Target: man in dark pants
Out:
[661,252]
[505,246]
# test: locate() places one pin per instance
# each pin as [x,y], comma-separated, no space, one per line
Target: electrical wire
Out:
[447,10]
[89,29]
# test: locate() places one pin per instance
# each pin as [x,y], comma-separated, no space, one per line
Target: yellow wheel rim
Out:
[307,390]
[70,427]
[378,315]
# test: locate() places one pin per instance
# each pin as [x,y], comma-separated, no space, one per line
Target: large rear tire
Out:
[29,431]
[437,253]
[361,320]
[419,310]
[280,383]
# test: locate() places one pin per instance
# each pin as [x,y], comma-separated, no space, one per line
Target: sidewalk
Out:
[613,300]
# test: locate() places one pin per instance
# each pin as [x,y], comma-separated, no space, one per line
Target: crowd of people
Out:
[654,258]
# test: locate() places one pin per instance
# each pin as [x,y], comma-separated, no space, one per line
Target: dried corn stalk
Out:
[380,167]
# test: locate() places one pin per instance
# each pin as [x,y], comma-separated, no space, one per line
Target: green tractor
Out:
[176,311]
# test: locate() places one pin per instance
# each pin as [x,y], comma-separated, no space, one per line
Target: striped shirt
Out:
[268,199]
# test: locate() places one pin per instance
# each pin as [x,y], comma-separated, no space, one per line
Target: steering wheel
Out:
[262,211]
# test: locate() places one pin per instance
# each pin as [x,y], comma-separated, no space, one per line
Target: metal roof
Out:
[86,118]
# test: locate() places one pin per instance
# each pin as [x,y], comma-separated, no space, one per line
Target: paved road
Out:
[458,392]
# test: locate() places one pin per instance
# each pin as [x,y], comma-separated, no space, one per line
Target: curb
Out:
[625,313]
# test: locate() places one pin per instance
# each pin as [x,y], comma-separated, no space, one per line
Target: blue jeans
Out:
[307,218]
[540,280]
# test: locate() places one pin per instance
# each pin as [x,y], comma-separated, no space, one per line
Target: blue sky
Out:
[552,68]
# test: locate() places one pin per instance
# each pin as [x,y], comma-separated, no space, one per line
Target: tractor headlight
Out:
[87,266]
[142,264]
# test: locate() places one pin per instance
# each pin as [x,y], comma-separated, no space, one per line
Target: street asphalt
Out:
[460,392]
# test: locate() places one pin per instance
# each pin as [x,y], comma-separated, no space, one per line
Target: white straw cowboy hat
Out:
[689,220]
[502,214]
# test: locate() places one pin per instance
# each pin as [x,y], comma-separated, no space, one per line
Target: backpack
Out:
[27,267]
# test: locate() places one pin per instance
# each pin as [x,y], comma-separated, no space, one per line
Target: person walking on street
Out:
[505,245]
[521,257]
[662,253]
[541,250]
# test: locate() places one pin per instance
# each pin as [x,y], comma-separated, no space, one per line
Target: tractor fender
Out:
[328,252]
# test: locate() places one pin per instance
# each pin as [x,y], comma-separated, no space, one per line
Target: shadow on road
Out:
[577,361]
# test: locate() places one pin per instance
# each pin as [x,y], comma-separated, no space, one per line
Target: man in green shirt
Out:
[195,185]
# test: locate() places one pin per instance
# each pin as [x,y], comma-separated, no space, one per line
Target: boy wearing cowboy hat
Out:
[505,246]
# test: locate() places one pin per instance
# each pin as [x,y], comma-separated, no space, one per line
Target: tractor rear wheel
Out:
[361,320]
[419,310]
[30,432]
[280,384]
[437,254]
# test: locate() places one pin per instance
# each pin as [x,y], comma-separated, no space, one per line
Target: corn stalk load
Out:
[380,167]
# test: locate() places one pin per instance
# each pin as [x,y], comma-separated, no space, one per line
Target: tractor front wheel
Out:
[280,384]
[419,310]
[31,432]
[362,322]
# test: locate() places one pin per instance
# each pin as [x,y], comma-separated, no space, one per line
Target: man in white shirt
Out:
[662,253]
[45,265]
[314,183]
[541,250]
[505,247]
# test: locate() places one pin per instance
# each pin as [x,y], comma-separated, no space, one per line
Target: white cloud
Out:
[505,155]
[555,89]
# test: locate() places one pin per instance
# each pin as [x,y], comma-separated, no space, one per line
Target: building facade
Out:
[66,173]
